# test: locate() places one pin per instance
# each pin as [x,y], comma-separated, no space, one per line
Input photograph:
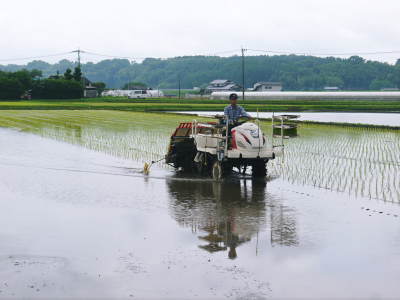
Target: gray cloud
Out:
[157,28]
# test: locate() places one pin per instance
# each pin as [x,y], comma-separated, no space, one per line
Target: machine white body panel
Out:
[207,143]
[247,141]
[250,142]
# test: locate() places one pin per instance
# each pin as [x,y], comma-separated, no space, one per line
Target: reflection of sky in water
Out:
[107,231]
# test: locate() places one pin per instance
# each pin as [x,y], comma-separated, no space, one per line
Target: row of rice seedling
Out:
[137,136]
[160,104]
[360,161]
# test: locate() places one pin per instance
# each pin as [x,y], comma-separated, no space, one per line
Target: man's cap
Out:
[233,97]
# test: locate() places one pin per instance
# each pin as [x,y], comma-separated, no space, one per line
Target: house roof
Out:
[230,86]
[268,83]
[219,81]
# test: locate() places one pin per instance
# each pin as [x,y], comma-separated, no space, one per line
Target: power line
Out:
[223,52]
[141,58]
[79,52]
[36,57]
[111,56]
[326,54]
[208,54]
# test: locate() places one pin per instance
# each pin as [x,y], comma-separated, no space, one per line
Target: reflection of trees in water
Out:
[229,214]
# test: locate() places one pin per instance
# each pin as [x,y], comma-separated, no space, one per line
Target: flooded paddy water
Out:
[79,219]
[381,119]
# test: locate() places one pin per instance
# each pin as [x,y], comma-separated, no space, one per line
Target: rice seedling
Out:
[363,162]
[165,104]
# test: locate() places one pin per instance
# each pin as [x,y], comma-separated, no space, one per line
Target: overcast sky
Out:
[161,28]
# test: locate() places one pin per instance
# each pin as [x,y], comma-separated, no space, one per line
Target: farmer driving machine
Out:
[216,148]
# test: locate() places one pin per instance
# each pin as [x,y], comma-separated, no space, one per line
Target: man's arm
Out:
[244,113]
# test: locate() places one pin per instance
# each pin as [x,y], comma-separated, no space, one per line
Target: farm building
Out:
[140,93]
[220,85]
[90,92]
[267,86]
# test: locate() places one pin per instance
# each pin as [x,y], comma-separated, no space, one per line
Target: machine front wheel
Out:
[217,171]
[259,169]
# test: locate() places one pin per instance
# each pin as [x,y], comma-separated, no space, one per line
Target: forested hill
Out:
[295,72]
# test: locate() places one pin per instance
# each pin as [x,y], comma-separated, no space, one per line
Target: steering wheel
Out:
[241,120]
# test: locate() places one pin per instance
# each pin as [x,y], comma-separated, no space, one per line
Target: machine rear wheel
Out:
[227,169]
[259,169]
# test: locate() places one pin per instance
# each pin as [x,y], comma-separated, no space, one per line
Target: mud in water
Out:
[75,222]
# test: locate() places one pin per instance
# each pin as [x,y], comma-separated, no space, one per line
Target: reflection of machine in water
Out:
[230,213]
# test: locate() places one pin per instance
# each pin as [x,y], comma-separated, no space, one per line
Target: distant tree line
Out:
[295,72]
[29,84]
[134,86]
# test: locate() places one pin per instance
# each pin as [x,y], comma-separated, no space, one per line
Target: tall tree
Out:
[68,74]
[77,75]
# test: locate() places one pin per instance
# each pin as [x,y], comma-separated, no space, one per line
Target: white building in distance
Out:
[267,87]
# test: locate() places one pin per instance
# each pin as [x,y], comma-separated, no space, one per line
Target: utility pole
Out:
[179,87]
[129,81]
[243,50]
[79,56]
[79,66]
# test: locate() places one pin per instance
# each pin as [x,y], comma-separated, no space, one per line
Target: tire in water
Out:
[217,171]
[259,169]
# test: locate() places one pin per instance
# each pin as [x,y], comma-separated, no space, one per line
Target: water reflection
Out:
[226,215]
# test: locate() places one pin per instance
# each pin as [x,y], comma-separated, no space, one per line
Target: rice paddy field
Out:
[79,219]
[364,162]
[173,104]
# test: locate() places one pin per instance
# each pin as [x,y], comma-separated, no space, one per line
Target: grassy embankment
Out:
[173,104]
